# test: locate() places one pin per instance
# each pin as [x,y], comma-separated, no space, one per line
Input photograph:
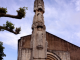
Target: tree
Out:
[10,26]
[1,51]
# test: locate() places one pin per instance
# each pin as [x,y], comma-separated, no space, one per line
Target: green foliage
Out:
[3,10]
[21,11]
[18,30]
[9,25]
[1,51]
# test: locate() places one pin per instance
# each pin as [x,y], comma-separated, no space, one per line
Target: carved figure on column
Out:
[39,38]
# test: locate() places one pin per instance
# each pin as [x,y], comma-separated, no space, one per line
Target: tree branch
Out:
[4,28]
[1,27]
[8,15]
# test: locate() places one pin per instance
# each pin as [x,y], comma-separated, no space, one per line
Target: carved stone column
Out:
[38,39]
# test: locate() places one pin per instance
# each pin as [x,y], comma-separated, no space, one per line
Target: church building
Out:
[42,45]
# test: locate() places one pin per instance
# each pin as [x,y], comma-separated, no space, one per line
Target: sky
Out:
[62,18]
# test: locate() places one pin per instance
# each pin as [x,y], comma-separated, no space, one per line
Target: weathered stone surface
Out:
[52,56]
[60,55]
[38,38]
[54,43]
[26,54]
[38,4]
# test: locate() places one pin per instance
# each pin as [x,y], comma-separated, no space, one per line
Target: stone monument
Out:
[38,38]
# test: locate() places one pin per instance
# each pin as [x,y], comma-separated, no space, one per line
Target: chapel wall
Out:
[54,43]
[58,44]
[24,51]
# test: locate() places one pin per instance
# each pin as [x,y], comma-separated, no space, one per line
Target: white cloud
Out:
[78,34]
[12,39]
[51,12]
[78,5]
[63,21]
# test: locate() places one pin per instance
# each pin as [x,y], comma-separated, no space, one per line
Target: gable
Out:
[59,43]
[55,44]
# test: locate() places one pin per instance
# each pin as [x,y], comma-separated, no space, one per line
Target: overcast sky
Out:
[62,18]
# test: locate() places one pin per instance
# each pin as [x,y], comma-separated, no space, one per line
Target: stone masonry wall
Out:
[54,43]
[58,44]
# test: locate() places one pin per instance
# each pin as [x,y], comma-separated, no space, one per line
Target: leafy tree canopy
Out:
[10,26]
[1,51]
